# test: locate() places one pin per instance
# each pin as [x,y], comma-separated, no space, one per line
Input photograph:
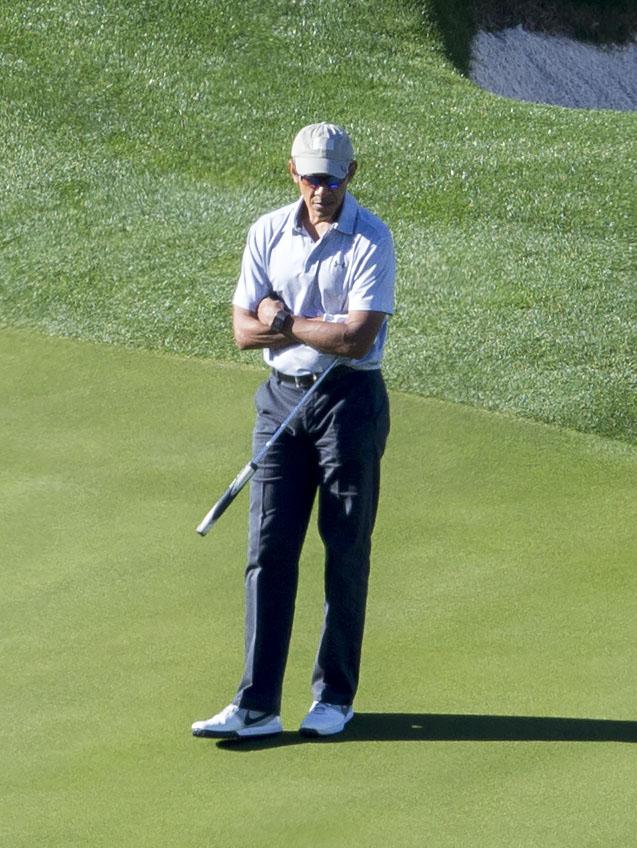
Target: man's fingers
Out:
[268,308]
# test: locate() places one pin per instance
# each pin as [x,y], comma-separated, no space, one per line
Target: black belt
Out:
[304,381]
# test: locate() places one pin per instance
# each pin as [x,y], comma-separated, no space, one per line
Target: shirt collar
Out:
[295,217]
[347,218]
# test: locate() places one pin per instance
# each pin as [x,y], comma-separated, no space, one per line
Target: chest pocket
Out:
[333,282]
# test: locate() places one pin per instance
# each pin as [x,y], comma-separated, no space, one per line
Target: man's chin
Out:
[324,213]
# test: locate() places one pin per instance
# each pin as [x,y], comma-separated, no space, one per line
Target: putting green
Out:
[498,683]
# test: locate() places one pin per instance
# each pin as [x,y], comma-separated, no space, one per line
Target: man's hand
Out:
[269,308]
[251,333]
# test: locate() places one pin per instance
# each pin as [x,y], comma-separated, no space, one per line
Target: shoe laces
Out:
[322,708]
[228,711]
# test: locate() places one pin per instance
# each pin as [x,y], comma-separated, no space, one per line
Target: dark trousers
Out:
[334,448]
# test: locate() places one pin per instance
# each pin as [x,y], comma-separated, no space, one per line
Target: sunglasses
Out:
[317,180]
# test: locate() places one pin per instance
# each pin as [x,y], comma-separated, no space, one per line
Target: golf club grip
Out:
[226,499]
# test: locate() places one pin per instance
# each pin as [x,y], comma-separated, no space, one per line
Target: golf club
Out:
[247,472]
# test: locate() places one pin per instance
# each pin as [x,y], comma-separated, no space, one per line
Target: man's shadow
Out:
[417,727]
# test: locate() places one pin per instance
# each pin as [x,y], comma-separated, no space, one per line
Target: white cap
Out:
[322,149]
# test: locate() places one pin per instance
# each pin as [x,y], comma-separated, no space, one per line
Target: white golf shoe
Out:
[235,721]
[325,719]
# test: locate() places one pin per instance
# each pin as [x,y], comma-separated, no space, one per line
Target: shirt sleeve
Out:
[372,289]
[253,284]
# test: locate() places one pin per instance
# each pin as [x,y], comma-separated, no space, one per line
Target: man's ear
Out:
[352,169]
[292,171]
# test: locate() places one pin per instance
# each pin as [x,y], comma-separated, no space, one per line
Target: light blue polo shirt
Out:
[352,267]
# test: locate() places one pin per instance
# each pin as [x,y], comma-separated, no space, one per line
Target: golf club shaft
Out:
[248,471]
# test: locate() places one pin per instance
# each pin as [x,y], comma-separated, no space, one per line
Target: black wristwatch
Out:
[278,322]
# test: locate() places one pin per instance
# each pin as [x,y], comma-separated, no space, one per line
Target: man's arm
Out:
[352,338]
[250,333]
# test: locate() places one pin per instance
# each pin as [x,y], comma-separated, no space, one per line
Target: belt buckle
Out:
[305,381]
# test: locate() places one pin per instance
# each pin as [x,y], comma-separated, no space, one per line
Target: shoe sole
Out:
[212,734]
[245,733]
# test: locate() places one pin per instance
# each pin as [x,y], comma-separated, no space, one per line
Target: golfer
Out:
[316,283]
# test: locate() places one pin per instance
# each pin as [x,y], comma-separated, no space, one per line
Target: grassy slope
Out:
[503,585]
[140,140]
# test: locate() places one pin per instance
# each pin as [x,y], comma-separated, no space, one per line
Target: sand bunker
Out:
[545,68]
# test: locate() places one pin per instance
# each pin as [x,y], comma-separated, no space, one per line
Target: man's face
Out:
[322,201]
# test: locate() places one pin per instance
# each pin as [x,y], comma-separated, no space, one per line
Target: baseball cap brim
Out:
[320,165]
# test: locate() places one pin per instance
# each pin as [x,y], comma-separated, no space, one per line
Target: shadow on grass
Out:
[415,727]
[594,21]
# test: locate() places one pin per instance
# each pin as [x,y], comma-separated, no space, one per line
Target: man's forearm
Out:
[338,339]
[351,338]
[252,334]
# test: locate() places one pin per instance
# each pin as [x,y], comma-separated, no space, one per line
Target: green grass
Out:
[502,598]
[140,141]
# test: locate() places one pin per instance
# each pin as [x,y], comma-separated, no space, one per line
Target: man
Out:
[316,283]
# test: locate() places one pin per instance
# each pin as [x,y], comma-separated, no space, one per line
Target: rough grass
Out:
[140,140]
